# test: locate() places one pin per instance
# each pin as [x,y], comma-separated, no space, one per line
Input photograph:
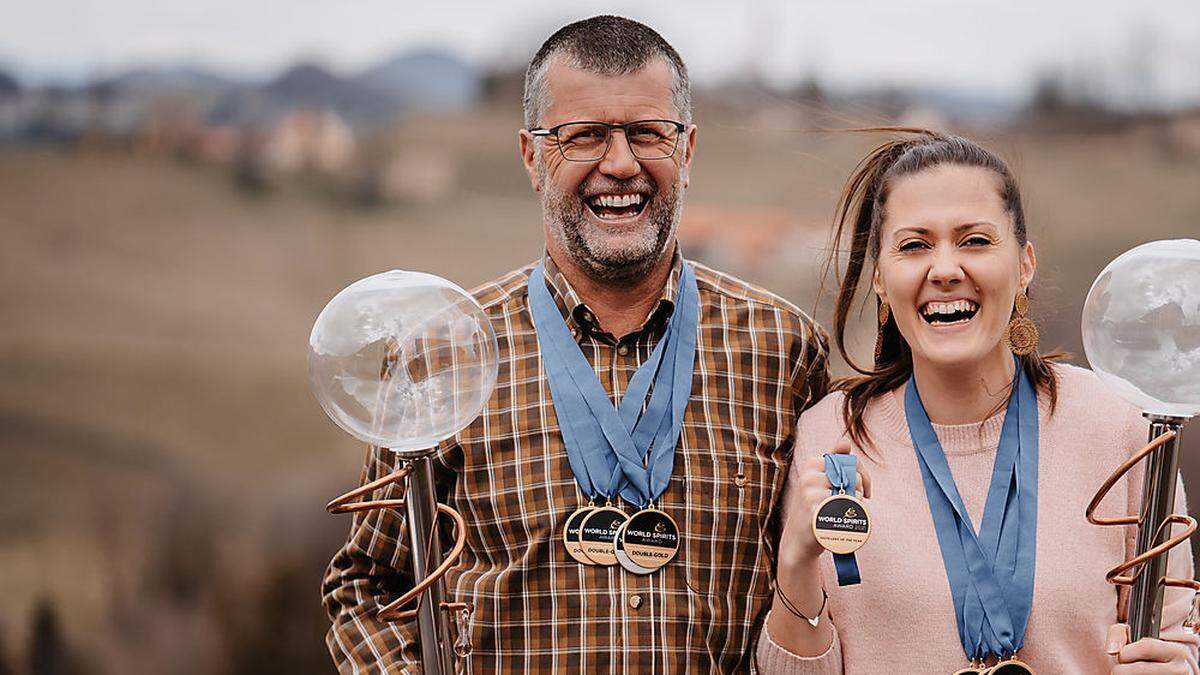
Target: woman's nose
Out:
[946,268]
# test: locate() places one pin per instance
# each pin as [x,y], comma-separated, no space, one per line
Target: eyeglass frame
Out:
[541,132]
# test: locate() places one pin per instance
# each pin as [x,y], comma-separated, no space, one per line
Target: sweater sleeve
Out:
[775,660]
[1177,602]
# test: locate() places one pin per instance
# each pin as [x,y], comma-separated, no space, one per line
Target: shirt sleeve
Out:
[369,571]
[810,375]
[775,660]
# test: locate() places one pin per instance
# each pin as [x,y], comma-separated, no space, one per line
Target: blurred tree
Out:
[49,653]
[5,667]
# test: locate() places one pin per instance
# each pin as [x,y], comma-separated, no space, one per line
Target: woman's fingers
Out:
[1152,650]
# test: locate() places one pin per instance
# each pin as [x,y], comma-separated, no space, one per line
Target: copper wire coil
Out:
[1117,575]
[346,504]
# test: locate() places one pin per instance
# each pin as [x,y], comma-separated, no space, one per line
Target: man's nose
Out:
[946,268]
[619,161]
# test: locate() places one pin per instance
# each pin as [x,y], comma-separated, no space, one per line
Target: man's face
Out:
[582,202]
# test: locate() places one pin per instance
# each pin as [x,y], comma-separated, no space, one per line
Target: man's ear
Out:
[689,149]
[527,145]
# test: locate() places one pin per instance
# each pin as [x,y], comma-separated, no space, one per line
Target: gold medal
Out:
[597,532]
[623,557]
[976,668]
[651,539]
[841,524]
[1011,666]
[571,534]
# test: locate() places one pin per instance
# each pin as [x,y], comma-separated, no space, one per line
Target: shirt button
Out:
[739,480]
[623,350]
[635,601]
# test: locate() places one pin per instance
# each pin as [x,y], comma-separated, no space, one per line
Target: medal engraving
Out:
[841,524]
[651,538]
[571,534]
[597,532]
[623,557]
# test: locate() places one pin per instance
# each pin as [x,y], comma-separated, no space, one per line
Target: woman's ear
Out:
[1028,264]
[877,284]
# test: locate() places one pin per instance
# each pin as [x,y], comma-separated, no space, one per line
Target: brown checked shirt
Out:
[759,363]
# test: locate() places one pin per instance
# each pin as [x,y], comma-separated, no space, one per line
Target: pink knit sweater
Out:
[900,618]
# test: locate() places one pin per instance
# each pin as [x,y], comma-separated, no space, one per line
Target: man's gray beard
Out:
[587,245]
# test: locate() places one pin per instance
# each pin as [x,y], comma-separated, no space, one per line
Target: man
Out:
[611,290]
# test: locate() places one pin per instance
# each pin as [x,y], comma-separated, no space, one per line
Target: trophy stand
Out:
[1145,573]
[415,479]
[1138,328]
[439,366]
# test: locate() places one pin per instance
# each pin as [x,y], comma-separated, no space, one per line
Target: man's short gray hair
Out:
[605,45]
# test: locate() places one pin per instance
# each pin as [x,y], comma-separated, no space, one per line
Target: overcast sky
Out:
[981,46]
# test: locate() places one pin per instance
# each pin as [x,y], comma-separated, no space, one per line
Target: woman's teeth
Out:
[949,312]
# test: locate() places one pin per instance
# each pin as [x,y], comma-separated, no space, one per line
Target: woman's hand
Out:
[1148,655]
[798,545]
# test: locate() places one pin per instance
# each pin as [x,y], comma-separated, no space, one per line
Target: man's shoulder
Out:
[498,293]
[739,292]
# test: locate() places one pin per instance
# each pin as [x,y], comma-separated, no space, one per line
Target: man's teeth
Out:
[949,307]
[616,201]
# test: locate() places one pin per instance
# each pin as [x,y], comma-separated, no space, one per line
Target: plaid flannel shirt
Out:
[759,362]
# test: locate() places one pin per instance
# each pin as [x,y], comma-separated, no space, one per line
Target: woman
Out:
[976,455]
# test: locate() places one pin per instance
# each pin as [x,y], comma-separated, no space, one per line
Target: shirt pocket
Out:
[726,494]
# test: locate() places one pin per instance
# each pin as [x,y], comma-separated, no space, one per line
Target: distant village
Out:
[338,129]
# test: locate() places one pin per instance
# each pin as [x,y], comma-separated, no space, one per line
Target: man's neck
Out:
[620,308]
[964,394]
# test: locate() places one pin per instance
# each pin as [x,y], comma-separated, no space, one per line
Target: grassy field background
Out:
[164,465]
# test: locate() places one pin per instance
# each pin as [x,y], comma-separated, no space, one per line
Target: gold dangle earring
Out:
[884,313]
[1021,334]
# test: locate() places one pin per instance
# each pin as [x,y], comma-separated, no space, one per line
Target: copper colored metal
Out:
[1117,575]
[347,504]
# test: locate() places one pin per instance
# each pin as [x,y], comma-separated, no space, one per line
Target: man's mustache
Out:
[592,188]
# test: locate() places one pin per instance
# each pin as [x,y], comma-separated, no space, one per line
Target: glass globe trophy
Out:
[1141,334]
[402,361]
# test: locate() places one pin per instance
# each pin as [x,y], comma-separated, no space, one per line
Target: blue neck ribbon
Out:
[990,575]
[842,471]
[623,450]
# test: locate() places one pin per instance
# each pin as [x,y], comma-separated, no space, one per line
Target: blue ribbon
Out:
[625,450]
[842,471]
[990,575]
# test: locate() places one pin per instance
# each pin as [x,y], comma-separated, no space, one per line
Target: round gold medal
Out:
[571,534]
[651,539]
[623,557]
[841,524]
[1011,666]
[597,532]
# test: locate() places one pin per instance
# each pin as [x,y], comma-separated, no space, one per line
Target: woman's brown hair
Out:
[859,216]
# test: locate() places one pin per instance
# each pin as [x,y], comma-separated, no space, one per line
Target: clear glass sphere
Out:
[1141,326]
[402,360]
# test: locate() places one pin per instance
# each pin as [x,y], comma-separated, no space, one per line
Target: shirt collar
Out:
[579,316]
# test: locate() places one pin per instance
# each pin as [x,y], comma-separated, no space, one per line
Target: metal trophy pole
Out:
[1158,503]
[1138,325]
[403,361]
[426,553]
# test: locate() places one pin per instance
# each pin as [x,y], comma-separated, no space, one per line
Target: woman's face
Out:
[950,265]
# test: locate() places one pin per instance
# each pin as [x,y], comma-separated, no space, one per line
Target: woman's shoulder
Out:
[1086,405]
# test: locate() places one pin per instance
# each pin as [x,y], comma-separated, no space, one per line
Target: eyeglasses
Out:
[589,141]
